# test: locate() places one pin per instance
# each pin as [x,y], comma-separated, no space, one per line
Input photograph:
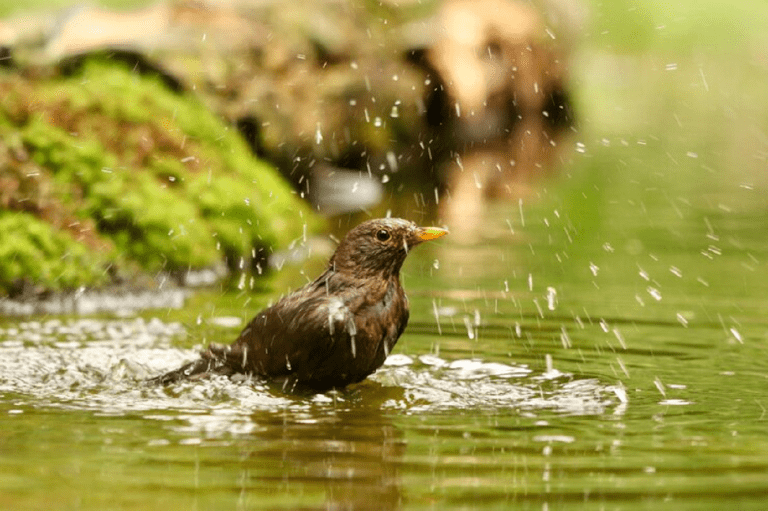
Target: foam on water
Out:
[101,365]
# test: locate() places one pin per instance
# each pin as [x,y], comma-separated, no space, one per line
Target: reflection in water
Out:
[500,109]
[354,455]
[339,450]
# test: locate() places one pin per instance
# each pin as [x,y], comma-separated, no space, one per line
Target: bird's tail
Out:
[210,362]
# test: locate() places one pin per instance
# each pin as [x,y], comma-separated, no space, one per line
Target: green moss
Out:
[33,252]
[162,179]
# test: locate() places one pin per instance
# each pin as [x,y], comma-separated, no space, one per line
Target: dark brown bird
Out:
[335,330]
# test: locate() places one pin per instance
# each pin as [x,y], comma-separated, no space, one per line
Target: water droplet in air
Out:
[655,293]
[551,298]
[392,161]
[470,330]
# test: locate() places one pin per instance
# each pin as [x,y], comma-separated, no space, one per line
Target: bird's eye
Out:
[382,235]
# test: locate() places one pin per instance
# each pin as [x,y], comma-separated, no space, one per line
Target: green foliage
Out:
[33,252]
[681,27]
[165,182]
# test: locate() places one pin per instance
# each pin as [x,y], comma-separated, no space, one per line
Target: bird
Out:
[335,330]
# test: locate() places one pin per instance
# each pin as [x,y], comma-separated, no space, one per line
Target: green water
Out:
[608,352]
[600,344]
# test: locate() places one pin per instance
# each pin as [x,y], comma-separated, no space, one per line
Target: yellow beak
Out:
[430,233]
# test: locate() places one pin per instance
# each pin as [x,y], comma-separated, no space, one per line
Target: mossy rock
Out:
[33,253]
[150,178]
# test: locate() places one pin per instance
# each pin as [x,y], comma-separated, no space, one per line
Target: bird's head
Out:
[379,247]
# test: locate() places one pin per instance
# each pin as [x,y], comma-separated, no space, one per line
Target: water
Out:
[599,343]
[607,362]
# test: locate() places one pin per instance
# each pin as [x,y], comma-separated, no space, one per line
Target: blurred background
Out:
[590,336]
[176,136]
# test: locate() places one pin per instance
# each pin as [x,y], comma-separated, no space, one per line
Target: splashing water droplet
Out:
[470,330]
[551,298]
[436,313]
[392,161]
[620,338]
[655,293]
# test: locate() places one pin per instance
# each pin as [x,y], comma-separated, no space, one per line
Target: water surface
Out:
[550,363]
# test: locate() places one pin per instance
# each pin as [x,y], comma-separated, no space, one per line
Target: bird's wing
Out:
[293,335]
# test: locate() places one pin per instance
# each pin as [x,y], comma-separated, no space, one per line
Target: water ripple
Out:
[101,365]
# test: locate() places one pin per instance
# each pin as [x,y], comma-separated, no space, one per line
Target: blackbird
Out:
[335,330]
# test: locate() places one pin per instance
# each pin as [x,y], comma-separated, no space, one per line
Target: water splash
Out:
[101,365]
[433,384]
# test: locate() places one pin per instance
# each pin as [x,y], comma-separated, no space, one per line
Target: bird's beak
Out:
[430,233]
